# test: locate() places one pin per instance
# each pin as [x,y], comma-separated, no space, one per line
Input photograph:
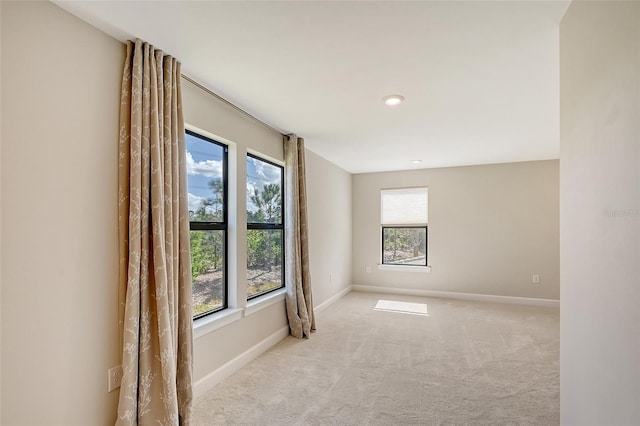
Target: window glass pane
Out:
[404,246]
[264,261]
[205,180]
[264,192]
[207,268]
[404,206]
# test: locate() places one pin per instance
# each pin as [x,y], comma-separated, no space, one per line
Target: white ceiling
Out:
[480,78]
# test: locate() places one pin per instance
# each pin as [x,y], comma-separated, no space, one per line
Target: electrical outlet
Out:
[536,279]
[367,269]
[114,378]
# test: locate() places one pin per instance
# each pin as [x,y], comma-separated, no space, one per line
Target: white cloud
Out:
[250,187]
[250,191]
[267,173]
[208,168]
[194,202]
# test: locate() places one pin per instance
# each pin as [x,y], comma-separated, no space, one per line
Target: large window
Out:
[404,219]
[207,188]
[265,230]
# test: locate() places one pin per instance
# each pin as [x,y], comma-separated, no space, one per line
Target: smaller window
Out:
[265,229]
[404,220]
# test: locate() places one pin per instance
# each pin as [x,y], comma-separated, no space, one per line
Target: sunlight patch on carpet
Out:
[402,307]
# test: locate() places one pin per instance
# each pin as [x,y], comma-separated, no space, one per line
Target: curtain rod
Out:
[234,106]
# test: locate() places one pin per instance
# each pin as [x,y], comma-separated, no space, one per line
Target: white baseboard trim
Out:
[455,295]
[330,301]
[218,375]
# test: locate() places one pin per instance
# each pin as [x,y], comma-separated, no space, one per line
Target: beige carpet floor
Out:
[463,363]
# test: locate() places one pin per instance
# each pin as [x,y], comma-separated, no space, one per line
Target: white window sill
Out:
[404,268]
[213,322]
[262,302]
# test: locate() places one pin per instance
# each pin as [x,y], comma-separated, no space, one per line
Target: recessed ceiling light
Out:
[393,100]
[417,161]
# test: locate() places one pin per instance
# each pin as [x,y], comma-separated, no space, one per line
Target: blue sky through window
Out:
[204,163]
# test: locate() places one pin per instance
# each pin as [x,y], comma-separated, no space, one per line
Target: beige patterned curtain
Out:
[155,264]
[297,276]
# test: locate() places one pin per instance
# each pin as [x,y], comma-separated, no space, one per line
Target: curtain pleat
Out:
[299,301]
[155,272]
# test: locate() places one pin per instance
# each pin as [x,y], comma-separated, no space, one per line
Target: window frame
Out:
[217,226]
[426,244]
[258,226]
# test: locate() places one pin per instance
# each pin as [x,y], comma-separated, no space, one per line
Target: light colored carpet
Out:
[466,363]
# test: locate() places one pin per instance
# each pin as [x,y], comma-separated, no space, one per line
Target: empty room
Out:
[320,212]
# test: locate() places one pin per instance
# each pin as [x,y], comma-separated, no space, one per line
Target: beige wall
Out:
[600,213]
[490,228]
[329,207]
[60,84]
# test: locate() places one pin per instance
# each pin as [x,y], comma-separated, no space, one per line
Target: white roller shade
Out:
[406,206]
